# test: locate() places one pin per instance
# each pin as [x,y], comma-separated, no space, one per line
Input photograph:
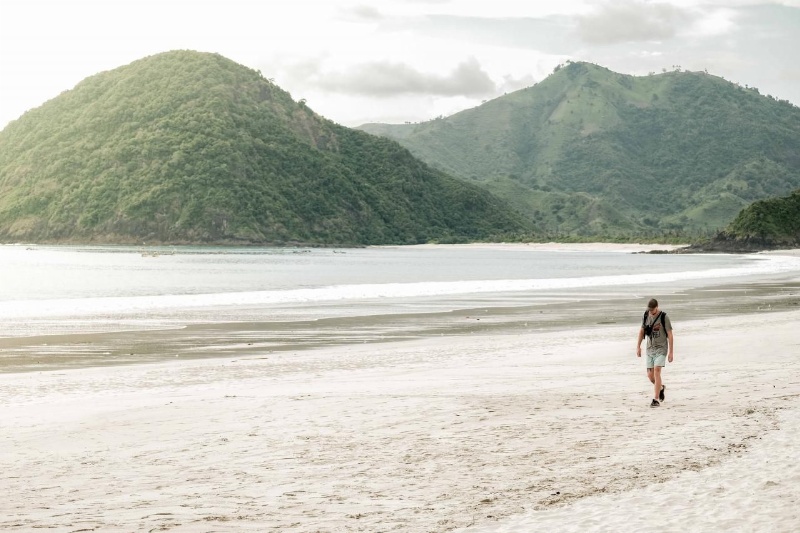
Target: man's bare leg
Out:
[656,380]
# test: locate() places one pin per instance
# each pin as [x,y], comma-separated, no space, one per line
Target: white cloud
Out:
[631,21]
[713,23]
[386,79]
[363,13]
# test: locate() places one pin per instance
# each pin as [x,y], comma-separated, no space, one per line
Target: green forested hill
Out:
[764,224]
[591,152]
[192,147]
[773,222]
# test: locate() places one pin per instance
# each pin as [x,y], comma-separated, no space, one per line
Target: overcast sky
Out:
[398,60]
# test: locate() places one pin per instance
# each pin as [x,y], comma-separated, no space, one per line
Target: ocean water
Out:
[50,289]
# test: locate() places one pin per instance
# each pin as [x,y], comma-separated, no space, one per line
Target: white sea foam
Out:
[77,307]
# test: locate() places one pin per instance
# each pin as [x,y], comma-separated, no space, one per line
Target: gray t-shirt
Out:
[659,342]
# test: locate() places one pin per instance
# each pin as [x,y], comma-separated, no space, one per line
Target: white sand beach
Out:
[545,431]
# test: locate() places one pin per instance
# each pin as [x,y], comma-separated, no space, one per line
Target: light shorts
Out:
[658,359]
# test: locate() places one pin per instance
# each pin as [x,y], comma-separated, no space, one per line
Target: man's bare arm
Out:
[671,338]
[639,342]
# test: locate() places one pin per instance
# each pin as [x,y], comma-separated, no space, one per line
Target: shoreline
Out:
[63,351]
[553,246]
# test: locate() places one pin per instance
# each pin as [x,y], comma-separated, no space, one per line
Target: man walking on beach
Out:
[658,330]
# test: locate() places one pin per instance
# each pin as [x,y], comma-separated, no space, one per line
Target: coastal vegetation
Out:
[764,224]
[592,154]
[189,147]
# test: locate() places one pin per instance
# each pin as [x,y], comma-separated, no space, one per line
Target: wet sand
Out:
[254,338]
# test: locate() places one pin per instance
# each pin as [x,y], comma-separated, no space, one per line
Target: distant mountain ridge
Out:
[189,147]
[595,153]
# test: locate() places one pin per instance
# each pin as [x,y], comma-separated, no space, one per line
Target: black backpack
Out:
[648,330]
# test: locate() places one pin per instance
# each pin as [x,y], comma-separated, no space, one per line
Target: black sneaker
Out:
[655,403]
[661,392]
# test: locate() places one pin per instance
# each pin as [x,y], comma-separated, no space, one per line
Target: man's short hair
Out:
[652,304]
